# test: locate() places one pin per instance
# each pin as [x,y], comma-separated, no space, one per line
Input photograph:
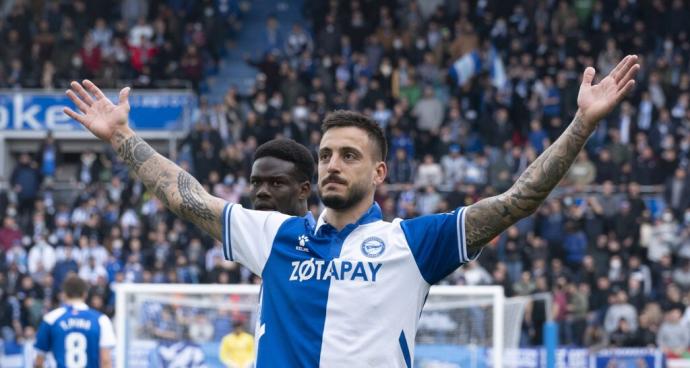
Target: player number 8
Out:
[75,350]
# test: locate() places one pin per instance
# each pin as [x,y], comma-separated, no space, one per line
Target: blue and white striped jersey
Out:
[75,334]
[342,299]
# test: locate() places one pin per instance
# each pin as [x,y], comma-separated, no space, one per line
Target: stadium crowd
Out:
[147,44]
[469,93]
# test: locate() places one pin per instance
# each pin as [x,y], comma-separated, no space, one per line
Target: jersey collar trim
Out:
[373,214]
[78,306]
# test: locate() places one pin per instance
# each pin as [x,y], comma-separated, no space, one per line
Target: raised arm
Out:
[176,188]
[490,216]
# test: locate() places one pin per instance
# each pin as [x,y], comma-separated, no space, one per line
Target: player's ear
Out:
[380,172]
[304,190]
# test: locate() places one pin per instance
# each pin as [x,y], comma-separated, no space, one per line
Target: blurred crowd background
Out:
[469,94]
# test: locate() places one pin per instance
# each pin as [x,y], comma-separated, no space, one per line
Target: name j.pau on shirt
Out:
[318,269]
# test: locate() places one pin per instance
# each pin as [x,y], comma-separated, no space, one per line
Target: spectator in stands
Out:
[674,336]
[401,168]
[10,234]
[428,111]
[429,173]
[677,192]
[681,276]
[26,181]
[583,172]
[620,309]
[90,271]
[41,257]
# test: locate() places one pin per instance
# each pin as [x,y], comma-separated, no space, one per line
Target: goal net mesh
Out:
[184,326]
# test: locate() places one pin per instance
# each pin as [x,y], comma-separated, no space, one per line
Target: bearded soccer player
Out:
[347,290]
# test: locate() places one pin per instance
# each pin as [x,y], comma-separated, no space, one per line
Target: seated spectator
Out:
[429,173]
[622,336]
[10,234]
[674,336]
[620,309]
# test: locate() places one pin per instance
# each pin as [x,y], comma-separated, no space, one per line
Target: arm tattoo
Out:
[134,151]
[190,191]
[489,217]
[162,185]
[175,188]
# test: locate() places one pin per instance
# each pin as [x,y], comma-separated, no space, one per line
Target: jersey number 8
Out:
[75,350]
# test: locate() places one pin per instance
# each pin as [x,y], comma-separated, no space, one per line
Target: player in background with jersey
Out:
[78,336]
[280,180]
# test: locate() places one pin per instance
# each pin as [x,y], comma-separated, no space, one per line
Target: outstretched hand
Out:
[100,116]
[596,101]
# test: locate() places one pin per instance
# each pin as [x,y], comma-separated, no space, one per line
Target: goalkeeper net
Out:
[184,325]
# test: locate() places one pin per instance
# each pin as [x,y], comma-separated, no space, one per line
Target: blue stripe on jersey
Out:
[437,243]
[405,349]
[227,248]
[294,312]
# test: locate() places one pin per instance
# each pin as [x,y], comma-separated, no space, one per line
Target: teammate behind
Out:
[78,336]
[281,177]
[280,180]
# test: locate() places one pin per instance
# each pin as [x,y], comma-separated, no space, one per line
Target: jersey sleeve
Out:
[248,235]
[42,344]
[107,338]
[438,243]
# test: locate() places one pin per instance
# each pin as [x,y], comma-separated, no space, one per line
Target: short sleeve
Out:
[107,339]
[248,235]
[438,243]
[43,338]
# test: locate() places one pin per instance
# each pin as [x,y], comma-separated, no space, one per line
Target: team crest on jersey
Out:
[373,247]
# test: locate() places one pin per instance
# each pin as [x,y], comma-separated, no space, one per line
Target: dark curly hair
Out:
[291,151]
[346,118]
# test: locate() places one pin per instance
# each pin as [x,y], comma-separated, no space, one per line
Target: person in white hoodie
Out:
[43,254]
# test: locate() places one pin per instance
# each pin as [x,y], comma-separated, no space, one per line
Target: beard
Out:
[343,202]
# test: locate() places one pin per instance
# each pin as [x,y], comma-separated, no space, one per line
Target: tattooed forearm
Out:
[135,152]
[162,186]
[175,188]
[489,217]
[191,193]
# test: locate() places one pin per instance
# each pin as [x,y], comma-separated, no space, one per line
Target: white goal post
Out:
[467,316]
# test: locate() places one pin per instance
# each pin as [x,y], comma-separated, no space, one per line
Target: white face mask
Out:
[77,61]
[668,45]
[275,102]
[397,44]
[386,69]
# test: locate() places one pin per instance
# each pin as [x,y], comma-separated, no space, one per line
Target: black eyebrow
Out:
[277,176]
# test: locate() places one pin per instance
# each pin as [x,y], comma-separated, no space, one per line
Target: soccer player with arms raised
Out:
[347,290]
